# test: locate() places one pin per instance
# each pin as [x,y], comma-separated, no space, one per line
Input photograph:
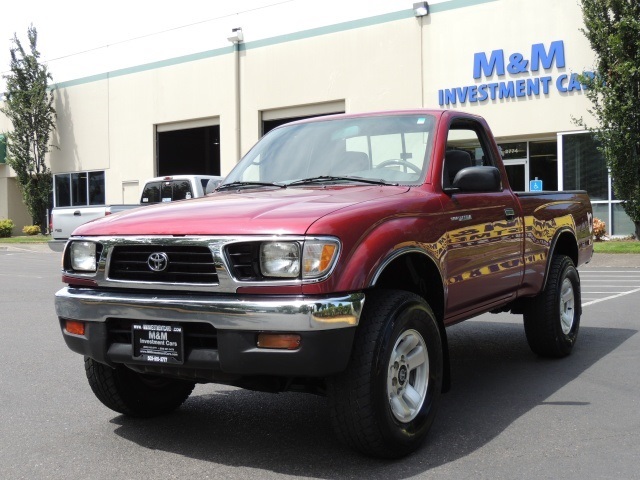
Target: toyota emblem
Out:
[158,261]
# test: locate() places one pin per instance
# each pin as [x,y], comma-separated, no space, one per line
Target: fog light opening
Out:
[282,341]
[74,327]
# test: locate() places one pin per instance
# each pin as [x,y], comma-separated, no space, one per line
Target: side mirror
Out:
[476,179]
[211,186]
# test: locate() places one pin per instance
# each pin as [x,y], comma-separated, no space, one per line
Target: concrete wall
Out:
[110,124]
[370,68]
[11,205]
[451,38]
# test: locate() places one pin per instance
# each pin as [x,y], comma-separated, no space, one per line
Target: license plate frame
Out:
[155,343]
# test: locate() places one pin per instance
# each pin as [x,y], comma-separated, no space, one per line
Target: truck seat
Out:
[454,161]
[350,162]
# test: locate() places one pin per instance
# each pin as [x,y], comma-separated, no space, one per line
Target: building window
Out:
[78,189]
[3,149]
[543,163]
[536,160]
[584,168]
[516,163]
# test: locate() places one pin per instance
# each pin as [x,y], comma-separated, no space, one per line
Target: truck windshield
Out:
[390,149]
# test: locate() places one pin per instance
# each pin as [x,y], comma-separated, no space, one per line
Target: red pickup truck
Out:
[330,261]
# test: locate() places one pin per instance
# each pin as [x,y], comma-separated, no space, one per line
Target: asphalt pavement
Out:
[509,414]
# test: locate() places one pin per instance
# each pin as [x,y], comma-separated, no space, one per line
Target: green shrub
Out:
[6,227]
[31,230]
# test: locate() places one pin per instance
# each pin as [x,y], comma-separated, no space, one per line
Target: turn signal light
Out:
[74,327]
[283,341]
[318,257]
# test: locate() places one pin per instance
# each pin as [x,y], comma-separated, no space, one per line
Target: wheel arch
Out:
[414,270]
[564,243]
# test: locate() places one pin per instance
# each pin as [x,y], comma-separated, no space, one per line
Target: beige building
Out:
[512,61]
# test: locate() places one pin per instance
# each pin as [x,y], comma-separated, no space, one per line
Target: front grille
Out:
[244,260]
[196,335]
[187,264]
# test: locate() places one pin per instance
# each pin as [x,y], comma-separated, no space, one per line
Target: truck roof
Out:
[425,111]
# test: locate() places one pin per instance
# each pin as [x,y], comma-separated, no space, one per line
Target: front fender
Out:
[373,232]
[384,244]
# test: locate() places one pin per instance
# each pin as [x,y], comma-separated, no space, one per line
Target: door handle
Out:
[77,213]
[509,213]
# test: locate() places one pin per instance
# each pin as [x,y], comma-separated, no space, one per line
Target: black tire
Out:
[364,403]
[135,394]
[552,319]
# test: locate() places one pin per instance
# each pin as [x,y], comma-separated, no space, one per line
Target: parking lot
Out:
[603,284]
[509,414]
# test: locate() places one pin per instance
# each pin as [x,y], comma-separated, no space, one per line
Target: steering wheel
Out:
[403,163]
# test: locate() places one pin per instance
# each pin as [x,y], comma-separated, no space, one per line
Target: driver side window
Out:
[466,147]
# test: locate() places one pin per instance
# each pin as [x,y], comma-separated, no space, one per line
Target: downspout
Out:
[421,11]
[236,38]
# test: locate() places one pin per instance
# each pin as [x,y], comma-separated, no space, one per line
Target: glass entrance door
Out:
[518,174]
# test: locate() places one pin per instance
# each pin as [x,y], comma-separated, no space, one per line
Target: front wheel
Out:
[385,402]
[552,319]
[135,394]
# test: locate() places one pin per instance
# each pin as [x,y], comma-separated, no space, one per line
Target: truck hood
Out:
[286,211]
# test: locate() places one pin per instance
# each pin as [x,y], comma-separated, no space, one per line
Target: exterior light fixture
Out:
[236,36]
[421,9]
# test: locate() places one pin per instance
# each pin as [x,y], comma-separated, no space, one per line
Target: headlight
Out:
[318,257]
[83,256]
[302,259]
[280,259]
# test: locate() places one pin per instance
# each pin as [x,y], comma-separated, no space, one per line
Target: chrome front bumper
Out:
[326,326]
[224,312]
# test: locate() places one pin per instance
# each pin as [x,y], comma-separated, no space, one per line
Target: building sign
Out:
[510,151]
[535,185]
[510,70]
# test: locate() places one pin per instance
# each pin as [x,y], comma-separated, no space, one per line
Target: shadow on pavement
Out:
[496,380]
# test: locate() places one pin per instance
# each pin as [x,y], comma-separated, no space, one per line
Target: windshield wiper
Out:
[224,186]
[331,178]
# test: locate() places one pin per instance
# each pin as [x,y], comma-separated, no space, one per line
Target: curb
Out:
[629,260]
[29,247]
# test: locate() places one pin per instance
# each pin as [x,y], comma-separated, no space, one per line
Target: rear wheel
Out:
[552,319]
[135,394]
[385,402]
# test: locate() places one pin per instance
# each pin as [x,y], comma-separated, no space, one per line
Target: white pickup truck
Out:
[64,220]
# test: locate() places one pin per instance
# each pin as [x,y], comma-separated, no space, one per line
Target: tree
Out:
[613,30]
[29,107]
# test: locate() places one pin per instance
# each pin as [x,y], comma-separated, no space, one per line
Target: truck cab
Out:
[175,187]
